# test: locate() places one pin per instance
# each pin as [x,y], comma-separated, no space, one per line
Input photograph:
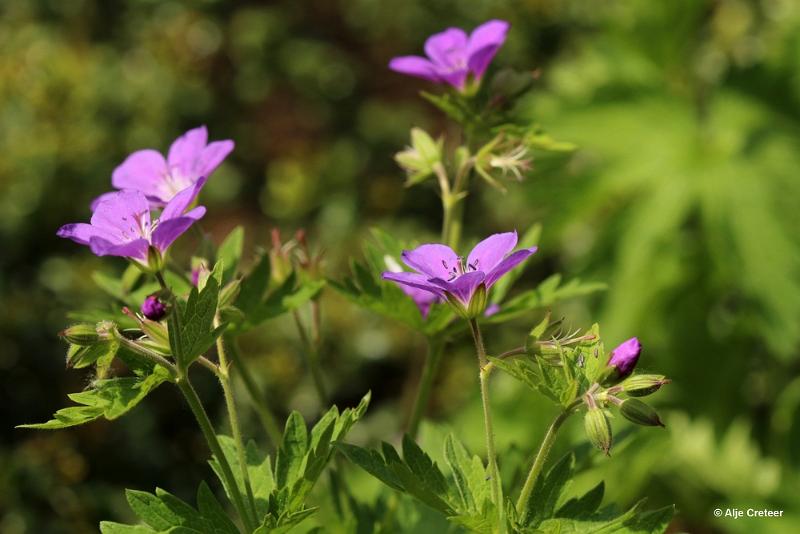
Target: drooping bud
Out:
[623,359]
[153,309]
[643,385]
[640,413]
[82,335]
[598,429]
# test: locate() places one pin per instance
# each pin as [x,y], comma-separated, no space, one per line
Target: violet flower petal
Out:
[436,261]
[484,42]
[490,252]
[168,231]
[136,249]
[462,287]
[83,233]
[126,215]
[178,204]
[144,170]
[105,196]
[213,155]
[448,48]
[424,299]
[414,280]
[185,151]
[415,66]
[507,264]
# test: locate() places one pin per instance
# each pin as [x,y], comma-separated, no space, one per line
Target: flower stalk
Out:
[494,473]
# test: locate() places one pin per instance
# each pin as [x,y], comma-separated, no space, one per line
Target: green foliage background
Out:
[683,197]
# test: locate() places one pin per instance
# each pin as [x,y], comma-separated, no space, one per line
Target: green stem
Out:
[312,359]
[233,417]
[432,359]
[541,456]
[216,449]
[268,421]
[494,473]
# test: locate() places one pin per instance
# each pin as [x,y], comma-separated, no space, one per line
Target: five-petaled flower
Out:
[453,56]
[123,225]
[462,283]
[624,357]
[191,159]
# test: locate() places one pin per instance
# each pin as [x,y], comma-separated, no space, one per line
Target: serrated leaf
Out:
[547,491]
[254,285]
[583,507]
[292,452]
[109,398]
[109,527]
[210,508]
[459,462]
[80,357]
[191,323]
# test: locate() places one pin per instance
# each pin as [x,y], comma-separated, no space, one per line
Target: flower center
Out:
[461,267]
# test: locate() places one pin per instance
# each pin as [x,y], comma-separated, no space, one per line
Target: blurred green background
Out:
[683,196]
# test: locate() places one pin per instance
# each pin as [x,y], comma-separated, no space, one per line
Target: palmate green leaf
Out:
[548,379]
[230,253]
[546,294]
[415,473]
[280,490]
[79,357]
[109,398]
[162,512]
[608,521]
[547,492]
[192,321]
[254,285]
[258,305]
[586,505]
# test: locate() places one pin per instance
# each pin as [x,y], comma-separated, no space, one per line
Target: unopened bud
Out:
[82,335]
[643,385]
[153,309]
[477,304]
[598,429]
[622,362]
[640,413]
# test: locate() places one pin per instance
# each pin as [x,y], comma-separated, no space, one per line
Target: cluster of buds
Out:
[503,155]
[293,255]
[615,381]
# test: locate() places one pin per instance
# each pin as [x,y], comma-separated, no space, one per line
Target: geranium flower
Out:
[190,159]
[453,56]
[444,274]
[123,224]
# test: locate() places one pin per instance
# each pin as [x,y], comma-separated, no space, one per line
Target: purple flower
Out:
[442,273]
[453,56]
[625,356]
[191,159]
[153,309]
[123,225]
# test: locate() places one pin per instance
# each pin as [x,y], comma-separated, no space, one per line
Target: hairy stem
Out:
[233,417]
[268,421]
[216,449]
[432,359]
[541,456]
[494,473]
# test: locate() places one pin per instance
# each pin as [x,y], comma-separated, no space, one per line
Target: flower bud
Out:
[643,385]
[623,360]
[598,429]
[640,413]
[153,309]
[82,335]
[477,304]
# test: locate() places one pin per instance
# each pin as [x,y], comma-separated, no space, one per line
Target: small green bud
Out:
[155,262]
[640,413]
[477,304]
[82,335]
[598,429]
[643,385]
